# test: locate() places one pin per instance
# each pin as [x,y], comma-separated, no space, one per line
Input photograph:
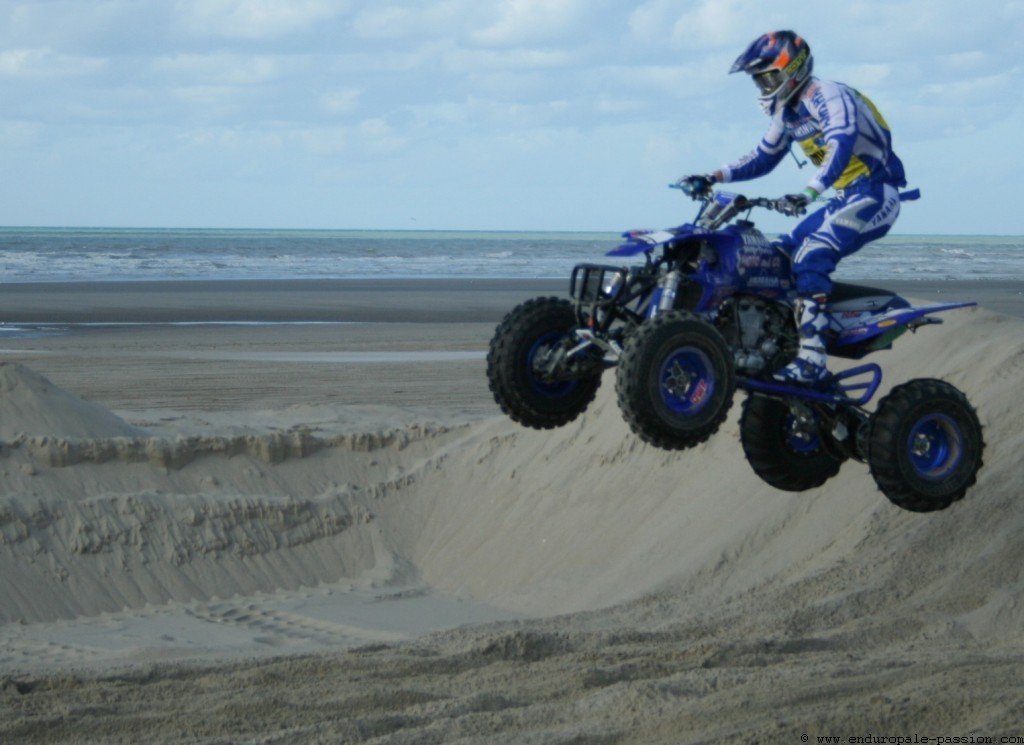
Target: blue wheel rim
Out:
[686,381]
[798,444]
[935,447]
[547,389]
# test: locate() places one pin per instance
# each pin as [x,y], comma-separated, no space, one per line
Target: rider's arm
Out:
[769,153]
[836,111]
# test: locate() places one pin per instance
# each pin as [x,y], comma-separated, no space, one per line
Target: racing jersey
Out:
[839,130]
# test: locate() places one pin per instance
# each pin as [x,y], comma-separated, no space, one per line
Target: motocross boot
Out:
[809,365]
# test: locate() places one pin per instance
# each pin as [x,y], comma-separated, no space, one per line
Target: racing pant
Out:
[859,215]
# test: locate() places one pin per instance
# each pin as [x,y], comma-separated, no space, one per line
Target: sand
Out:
[222,533]
[347,300]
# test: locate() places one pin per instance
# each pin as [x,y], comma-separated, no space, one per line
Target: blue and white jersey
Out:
[839,129]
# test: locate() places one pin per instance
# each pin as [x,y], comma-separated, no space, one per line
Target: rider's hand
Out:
[794,204]
[697,185]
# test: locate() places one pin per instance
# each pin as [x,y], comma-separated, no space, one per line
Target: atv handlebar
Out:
[775,205]
[741,202]
[715,213]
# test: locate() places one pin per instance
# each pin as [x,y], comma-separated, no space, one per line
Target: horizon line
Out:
[567,231]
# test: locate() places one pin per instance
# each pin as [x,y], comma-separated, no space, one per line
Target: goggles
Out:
[769,81]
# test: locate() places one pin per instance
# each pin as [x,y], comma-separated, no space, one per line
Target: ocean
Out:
[101,254]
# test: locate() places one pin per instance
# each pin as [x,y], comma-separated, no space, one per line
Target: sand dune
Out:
[542,523]
[30,404]
[607,518]
[538,522]
[98,524]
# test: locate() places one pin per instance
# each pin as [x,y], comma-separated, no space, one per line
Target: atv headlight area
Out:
[596,284]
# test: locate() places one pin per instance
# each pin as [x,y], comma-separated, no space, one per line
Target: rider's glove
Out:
[796,204]
[696,185]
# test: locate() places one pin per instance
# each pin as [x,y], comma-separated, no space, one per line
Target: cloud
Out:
[863,75]
[215,101]
[395,63]
[398,21]
[707,25]
[18,134]
[362,141]
[968,60]
[676,81]
[360,85]
[473,60]
[525,22]
[972,91]
[46,63]
[224,68]
[450,120]
[712,25]
[340,101]
[385,23]
[16,61]
[255,19]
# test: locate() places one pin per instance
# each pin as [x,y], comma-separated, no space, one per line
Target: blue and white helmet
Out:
[780,64]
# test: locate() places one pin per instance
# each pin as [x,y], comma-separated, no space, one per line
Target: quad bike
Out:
[710,311]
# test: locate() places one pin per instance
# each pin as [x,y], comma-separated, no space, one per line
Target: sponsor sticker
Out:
[699,392]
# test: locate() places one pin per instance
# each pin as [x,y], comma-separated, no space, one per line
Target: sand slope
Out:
[728,589]
[586,516]
[30,404]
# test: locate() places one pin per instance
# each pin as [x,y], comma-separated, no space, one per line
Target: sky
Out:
[476,114]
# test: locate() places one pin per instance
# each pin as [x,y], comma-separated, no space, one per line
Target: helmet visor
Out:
[769,81]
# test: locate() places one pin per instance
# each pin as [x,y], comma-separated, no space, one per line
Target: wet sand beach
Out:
[417,300]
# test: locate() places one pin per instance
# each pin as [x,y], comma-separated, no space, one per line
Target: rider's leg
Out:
[840,229]
[816,262]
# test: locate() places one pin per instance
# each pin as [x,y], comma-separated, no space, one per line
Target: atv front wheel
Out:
[524,373]
[675,380]
[925,445]
[786,450]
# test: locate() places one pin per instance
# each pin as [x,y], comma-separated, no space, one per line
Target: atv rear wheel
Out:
[517,373]
[786,451]
[925,445]
[675,380]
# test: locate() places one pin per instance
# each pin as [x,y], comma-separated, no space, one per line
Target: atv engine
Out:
[762,334]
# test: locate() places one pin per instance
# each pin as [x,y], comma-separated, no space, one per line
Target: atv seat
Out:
[847,297]
[842,291]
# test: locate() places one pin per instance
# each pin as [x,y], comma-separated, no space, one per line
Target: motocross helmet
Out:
[780,64]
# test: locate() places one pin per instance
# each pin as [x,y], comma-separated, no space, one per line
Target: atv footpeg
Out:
[841,388]
[868,386]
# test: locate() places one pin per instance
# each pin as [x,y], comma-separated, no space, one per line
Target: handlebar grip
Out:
[695,187]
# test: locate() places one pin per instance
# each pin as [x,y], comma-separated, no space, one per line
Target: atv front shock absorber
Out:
[669,286]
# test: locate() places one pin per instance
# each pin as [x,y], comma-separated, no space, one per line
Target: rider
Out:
[843,134]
